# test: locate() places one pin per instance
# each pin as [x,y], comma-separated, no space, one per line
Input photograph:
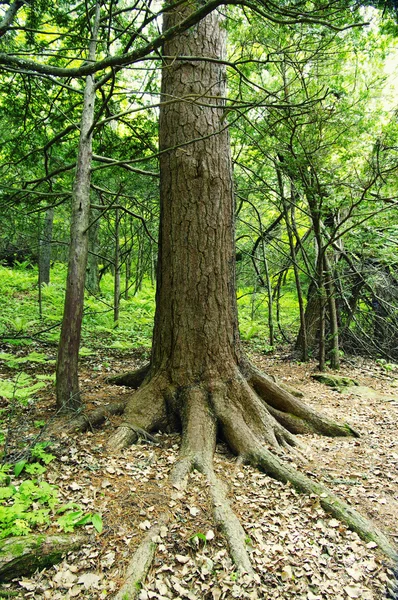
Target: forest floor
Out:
[297,550]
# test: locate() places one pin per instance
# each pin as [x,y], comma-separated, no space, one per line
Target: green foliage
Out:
[20,391]
[35,468]
[136,319]
[96,520]
[389,367]
[32,504]
[19,467]
[4,476]
[14,362]
[77,518]
[39,451]
[19,299]
[25,506]
[28,502]
[21,388]
[253,315]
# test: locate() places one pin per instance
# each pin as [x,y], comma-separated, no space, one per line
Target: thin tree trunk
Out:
[128,244]
[127,275]
[45,246]
[293,256]
[40,294]
[67,381]
[315,208]
[333,320]
[322,315]
[290,229]
[269,295]
[116,288]
[92,274]
[311,319]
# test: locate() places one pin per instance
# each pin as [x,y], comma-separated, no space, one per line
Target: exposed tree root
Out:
[96,417]
[296,416]
[252,414]
[131,379]
[196,451]
[145,412]
[229,524]
[140,564]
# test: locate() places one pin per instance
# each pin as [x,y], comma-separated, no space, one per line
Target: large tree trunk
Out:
[199,377]
[199,380]
[195,325]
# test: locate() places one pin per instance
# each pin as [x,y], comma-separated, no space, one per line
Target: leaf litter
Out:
[296,549]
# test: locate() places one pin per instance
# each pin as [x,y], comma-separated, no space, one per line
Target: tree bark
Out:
[199,380]
[116,285]
[45,247]
[334,352]
[311,320]
[67,380]
[195,323]
[9,16]
[92,274]
[197,365]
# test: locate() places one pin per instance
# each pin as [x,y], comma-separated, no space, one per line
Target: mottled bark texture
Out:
[197,365]
[67,381]
[199,380]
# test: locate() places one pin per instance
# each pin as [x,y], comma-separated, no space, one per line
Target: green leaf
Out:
[83,521]
[68,521]
[6,492]
[35,469]
[96,520]
[66,507]
[19,467]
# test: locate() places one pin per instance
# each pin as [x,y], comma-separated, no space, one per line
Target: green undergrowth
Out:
[18,394]
[20,319]
[28,503]
[253,317]
[23,387]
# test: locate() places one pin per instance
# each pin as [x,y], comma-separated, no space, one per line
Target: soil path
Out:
[298,551]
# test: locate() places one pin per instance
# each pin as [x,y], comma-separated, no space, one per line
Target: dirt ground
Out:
[297,550]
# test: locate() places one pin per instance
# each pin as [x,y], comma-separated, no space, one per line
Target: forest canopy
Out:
[311,105]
